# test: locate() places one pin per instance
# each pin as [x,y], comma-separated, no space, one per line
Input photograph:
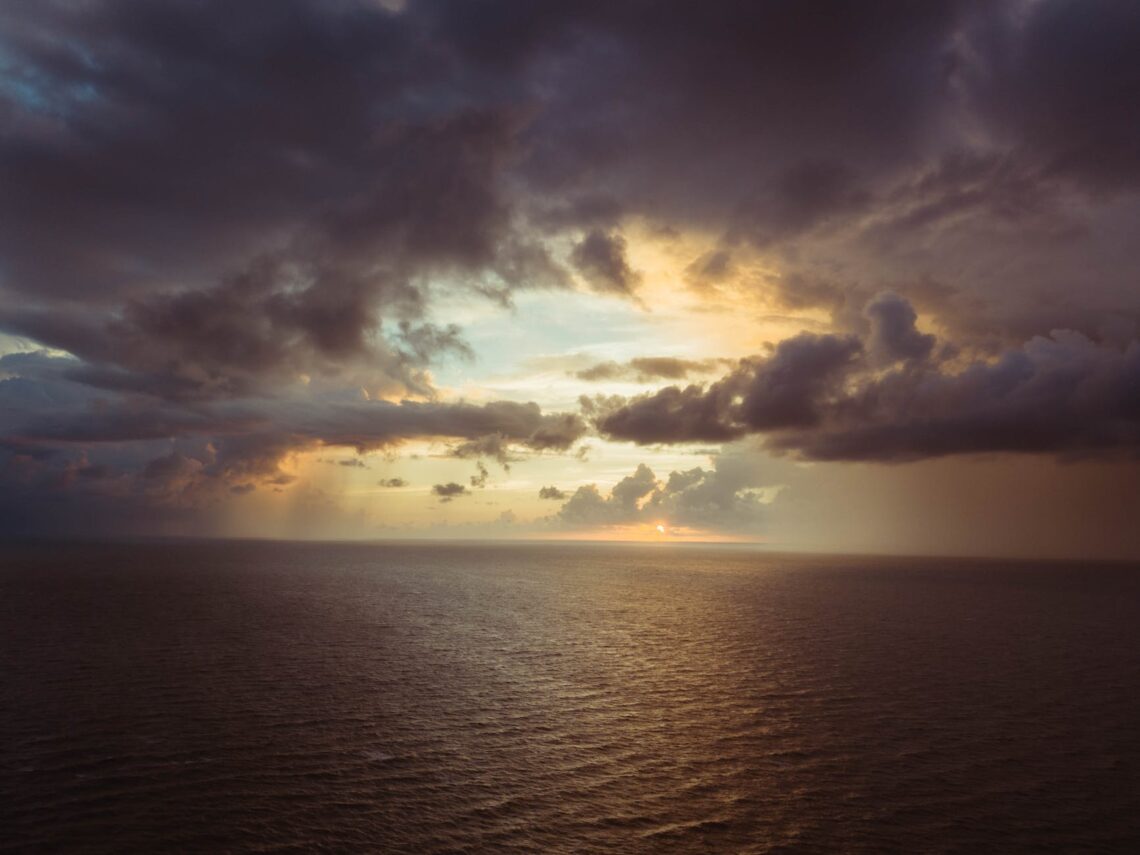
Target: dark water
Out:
[283,697]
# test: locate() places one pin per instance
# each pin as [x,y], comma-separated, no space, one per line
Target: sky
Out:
[836,276]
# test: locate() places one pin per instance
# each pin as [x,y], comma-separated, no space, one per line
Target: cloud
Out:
[893,334]
[1064,95]
[217,162]
[494,445]
[53,409]
[672,414]
[825,397]
[56,433]
[601,259]
[449,491]
[646,368]
[552,493]
[788,389]
[751,121]
[807,195]
[241,258]
[479,479]
[629,491]
[710,268]
[392,483]
[587,507]
[729,497]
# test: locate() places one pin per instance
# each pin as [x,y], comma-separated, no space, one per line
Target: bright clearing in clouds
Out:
[861,280]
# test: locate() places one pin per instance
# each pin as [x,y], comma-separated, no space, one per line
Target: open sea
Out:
[285,697]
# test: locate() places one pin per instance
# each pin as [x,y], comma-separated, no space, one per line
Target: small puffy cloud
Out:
[449,491]
[552,493]
[493,445]
[392,483]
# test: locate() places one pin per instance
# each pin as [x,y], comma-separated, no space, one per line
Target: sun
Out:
[660,528]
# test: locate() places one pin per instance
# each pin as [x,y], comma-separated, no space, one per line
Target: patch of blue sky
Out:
[547,323]
[37,92]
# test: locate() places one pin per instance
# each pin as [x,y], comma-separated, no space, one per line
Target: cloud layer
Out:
[885,397]
[230,232]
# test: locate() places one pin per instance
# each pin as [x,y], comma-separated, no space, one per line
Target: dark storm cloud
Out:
[284,314]
[673,414]
[893,334]
[234,219]
[958,141]
[346,131]
[57,434]
[266,206]
[268,123]
[826,397]
[1063,395]
[53,409]
[983,325]
[786,390]
[706,110]
[808,195]
[1061,79]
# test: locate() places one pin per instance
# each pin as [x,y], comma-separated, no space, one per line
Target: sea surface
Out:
[284,697]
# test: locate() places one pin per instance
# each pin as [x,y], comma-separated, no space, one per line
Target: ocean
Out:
[290,697]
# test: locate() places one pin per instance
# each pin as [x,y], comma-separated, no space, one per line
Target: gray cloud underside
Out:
[886,397]
[43,407]
[392,145]
[59,436]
